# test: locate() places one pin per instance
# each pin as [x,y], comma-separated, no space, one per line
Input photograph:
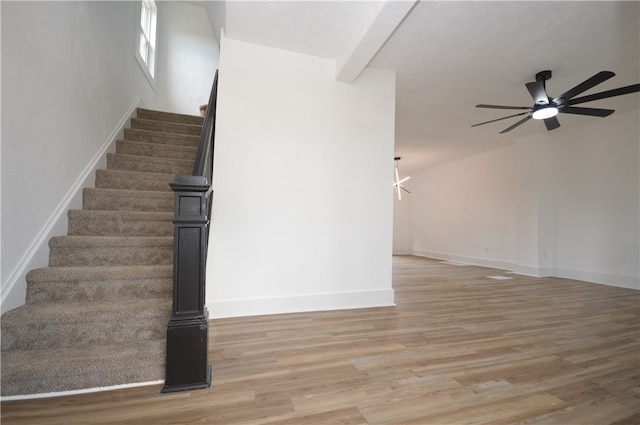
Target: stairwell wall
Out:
[188,55]
[302,213]
[70,81]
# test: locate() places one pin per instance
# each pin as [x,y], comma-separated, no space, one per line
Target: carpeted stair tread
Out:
[101,283]
[52,274]
[156,150]
[166,127]
[109,241]
[127,200]
[150,114]
[119,223]
[134,180]
[148,164]
[149,136]
[43,371]
[44,326]
[109,250]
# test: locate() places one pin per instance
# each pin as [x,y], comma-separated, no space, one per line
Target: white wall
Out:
[466,210]
[69,82]
[564,203]
[188,55]
[598,204]
[536,217]
[302,214]
[402,220]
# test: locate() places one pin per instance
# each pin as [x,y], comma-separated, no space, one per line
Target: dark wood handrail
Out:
[187,367]
[204,158]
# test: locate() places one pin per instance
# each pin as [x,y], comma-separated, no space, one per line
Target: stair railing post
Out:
[187,332]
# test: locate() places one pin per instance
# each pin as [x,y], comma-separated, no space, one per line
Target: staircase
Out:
[98,315]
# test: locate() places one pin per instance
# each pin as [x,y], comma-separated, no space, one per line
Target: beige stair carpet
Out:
[97,315]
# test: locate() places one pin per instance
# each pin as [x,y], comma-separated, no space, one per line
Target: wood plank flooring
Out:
[459,348]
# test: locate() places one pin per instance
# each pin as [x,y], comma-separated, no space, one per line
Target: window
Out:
[146,38]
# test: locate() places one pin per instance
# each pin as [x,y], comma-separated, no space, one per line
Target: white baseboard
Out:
[609,279]
[402,252]
[37,254]
[484,262]
[534,271]
[299,304]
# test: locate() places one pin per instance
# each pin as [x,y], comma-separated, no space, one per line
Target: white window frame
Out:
[145,39]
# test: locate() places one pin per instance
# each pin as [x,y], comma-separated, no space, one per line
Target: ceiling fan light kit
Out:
[546,108]
[544,112]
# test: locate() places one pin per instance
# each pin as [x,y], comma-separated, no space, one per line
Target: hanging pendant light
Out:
[397,183]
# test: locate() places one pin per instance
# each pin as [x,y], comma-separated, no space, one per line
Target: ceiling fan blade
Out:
[499,119]
[537,92]
[605,94]
[522,121]
[586,85]
[502,107]
[551,123]
[594,112]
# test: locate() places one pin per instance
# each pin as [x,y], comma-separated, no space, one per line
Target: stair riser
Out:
[118,179]
[166,127]
[110,255]
[133,163]
[82,332]
[102,375]
[155,150]
[86,226]
[146,136]
[149,114]
[84,368]
[115,201]
[106,290]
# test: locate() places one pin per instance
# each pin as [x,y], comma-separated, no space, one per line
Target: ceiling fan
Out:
[546,108]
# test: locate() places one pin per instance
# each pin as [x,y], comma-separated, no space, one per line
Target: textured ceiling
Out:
[450,56]
[317,28]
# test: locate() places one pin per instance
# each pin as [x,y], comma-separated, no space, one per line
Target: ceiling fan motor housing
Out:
[543,75]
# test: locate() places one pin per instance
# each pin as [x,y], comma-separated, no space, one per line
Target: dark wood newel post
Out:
[187,367]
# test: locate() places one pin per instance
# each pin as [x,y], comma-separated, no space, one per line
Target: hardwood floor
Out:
[459,348]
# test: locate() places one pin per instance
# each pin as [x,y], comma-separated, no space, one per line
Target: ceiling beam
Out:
[365,43]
